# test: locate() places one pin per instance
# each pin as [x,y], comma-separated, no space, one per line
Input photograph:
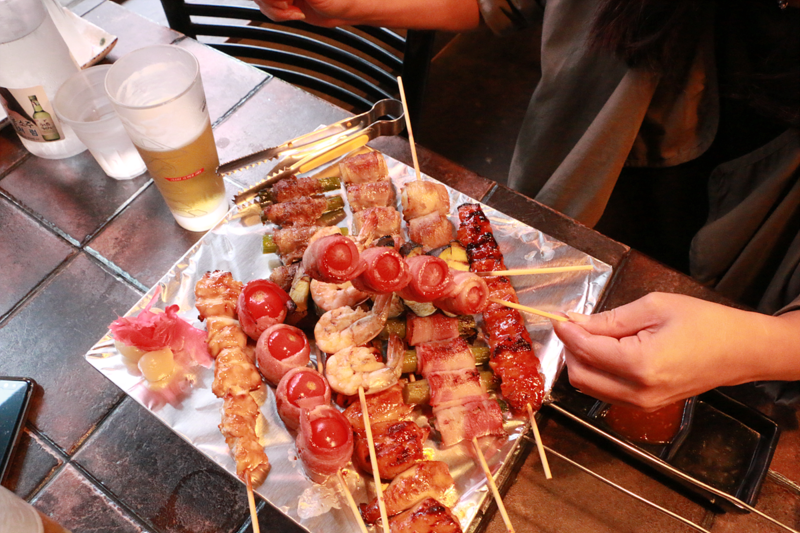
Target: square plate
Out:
[722,455]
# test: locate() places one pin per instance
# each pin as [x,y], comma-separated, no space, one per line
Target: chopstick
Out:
[542,270]
[521,307]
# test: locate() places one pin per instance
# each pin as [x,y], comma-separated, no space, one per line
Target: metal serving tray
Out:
[235,245]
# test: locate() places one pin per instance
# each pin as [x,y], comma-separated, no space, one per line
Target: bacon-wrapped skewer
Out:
[513,359]
[333,259]
[362,196]
[235,374]
[292,187]
[301,388]
[425,208]
[302,211]
[363,168]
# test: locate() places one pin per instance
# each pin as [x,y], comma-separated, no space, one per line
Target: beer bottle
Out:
[44,121]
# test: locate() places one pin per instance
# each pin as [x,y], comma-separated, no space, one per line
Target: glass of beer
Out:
[158,94]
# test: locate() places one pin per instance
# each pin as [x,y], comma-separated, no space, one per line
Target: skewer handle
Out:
[251,501]
[373,460]
[542,270]
[539,445]
[352,503]
[528,309]
[408,127]
[490,480]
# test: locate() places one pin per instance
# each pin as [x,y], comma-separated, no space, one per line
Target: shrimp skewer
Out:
[330,296]
[358,367]
[346,327]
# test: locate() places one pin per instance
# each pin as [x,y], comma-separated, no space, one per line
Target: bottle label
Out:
[31,114]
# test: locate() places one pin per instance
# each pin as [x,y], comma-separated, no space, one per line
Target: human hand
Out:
[660,349]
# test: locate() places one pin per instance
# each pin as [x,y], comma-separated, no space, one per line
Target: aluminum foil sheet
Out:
[235,245]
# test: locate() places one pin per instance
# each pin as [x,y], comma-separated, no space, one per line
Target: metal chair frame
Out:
[357,79]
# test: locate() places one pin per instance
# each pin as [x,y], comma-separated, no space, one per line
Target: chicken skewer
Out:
[235,375]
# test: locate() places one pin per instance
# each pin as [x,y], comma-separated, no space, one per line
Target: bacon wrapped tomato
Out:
[385,271]
[470,295]
[324,441]
[260,305]
[333,259]
[280,349]
[301,388]
[431,279]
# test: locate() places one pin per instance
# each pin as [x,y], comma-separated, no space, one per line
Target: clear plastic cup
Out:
[82,103]
[158,94]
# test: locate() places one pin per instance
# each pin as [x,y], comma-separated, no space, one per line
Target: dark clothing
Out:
[719,182]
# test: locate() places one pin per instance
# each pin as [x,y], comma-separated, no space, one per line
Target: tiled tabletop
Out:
[79,249]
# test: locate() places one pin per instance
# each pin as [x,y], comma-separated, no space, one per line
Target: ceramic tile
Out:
[133,31]
[144,240]
[72,194]
[23,265]
[77,504]
[276,113]
[162,478]
[32,464]
[226,80]
[46,339]
[11,148]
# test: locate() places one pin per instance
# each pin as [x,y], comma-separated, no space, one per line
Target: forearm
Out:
[446,15]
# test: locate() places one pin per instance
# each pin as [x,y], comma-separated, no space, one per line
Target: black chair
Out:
[355,65]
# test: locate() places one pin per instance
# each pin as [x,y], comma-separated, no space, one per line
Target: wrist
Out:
[773,348]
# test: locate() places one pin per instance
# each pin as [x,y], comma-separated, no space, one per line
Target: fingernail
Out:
[297,15]
[578,318]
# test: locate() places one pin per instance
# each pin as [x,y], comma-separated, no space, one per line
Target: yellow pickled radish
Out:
[129,352]
[157,365]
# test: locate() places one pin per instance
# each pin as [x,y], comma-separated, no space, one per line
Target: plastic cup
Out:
[82,103]
[158,94]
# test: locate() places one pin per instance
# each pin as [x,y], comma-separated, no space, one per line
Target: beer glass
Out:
[158,94]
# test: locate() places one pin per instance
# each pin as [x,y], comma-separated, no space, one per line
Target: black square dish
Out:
[721,452]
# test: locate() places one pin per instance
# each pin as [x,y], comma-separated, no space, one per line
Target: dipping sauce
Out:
[658,427]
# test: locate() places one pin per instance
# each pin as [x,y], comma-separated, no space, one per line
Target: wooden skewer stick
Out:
[352,503]
[539,445]
[542,270]
[408,125]
[373,460]
[490,480]
[528,309]
[252,502]
[320,362]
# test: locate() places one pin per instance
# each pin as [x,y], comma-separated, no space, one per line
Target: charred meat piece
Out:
[428,516]
[398,445]
[427,479]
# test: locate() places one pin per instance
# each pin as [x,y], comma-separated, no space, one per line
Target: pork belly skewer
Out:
[512,358]
[235,378]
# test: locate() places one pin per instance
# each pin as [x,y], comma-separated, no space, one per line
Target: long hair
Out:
[758,57]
